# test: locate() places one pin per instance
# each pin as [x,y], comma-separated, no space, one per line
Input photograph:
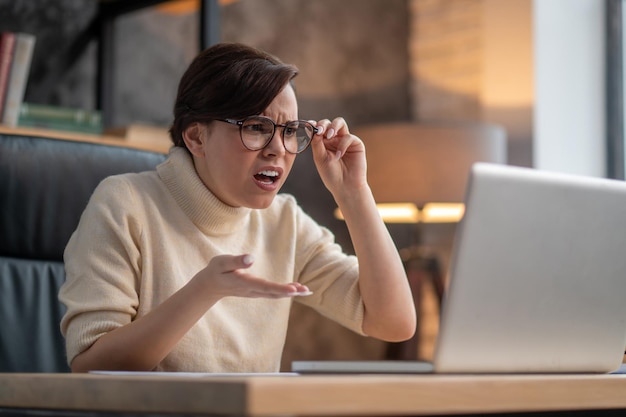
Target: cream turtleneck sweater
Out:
[144,236]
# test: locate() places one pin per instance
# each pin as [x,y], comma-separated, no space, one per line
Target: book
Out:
[64,126]
[7,45]
[60,118]
[18,77]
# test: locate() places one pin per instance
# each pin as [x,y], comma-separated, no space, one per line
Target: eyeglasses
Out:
[256,133]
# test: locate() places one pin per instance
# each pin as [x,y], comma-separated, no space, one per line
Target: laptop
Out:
[537,280]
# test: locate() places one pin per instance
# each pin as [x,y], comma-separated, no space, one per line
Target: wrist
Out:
[355,200]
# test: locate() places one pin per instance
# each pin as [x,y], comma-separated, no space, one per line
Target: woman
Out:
[193,267]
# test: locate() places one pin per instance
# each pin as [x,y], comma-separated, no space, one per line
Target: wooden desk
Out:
[310,395]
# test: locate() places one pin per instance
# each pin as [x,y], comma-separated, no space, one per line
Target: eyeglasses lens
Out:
[257,132]
[297,136]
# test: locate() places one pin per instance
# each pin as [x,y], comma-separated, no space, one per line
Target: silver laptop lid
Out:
[538,275]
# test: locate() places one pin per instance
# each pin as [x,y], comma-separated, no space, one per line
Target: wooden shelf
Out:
[156,146]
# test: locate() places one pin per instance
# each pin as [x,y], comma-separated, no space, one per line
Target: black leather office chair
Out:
[44,187]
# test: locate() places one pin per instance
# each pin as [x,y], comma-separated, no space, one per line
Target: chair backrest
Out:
[44,187]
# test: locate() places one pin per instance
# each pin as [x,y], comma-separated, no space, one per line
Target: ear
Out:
[195,136]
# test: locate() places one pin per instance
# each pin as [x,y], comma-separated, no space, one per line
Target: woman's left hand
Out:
[340,160]
[339,156]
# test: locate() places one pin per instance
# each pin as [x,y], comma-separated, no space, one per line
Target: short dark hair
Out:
[227,80]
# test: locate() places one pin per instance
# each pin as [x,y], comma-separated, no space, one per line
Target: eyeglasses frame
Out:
[284,125]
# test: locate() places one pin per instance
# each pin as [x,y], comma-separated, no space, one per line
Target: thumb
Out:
[319,151]
[246,260]
[230,263]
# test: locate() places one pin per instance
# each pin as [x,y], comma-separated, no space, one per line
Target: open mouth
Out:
[267,177]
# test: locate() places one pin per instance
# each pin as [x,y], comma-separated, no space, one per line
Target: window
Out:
[615,93]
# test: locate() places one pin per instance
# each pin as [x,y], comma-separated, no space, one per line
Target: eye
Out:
[256,128]
[290,131]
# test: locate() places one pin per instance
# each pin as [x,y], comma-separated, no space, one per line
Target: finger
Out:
[299,289]
[229,263]
[338,127]
[344,144]
[322,127]
[247,260]
[320,149]
[260,288]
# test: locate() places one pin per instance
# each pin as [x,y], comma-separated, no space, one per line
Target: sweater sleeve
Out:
[102,263]
[330,273]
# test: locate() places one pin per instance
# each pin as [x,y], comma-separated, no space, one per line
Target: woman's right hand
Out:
[228,276]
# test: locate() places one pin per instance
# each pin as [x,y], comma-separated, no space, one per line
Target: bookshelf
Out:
[102,29]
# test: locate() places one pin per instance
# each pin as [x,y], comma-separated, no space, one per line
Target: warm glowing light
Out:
[393,213]
[409,213]
[398,212]
[442,212]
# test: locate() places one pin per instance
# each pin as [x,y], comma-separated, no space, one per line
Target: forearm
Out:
[389,309]
[142,344]
[341,162]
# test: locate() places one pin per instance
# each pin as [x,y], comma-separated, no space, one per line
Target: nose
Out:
[276,146]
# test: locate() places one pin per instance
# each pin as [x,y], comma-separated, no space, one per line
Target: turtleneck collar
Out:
[206,211]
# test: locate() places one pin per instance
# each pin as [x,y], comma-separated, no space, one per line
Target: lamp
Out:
[418,174]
